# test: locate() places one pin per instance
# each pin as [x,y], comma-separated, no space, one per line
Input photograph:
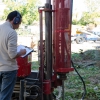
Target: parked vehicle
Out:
[84,37]
[96,31]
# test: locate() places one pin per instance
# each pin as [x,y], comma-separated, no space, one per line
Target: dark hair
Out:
[13,14]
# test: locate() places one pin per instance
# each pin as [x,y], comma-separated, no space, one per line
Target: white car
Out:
[84,37]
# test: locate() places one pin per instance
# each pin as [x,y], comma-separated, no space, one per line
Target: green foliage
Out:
[90,74]
[88,18]
[74,86]
[90,15]
[76,56]
[74,22]
[28,10]
[35,65]
[90,54]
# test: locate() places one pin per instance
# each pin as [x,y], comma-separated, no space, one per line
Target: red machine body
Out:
[62,36]
[24,65]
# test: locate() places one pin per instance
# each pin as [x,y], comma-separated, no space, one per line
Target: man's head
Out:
[15,19]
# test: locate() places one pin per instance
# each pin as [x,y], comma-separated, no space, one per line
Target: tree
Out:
[88,18]
[28,9]
[91,14]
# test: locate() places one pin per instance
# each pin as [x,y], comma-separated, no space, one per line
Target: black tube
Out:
[83,95]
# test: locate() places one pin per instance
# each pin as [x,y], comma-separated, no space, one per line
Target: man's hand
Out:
[22,52]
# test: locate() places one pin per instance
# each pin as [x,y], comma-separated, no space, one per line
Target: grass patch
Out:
[74,86]
[91,75]
[35,65]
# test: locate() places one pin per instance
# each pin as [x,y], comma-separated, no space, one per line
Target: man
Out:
[8,54]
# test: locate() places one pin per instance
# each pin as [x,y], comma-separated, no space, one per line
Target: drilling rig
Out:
[54,55]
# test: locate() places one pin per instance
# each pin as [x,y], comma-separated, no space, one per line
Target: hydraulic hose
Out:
[84,93]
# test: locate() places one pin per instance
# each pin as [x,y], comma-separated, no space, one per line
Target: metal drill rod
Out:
[63,96]
[21,94]
[48,46]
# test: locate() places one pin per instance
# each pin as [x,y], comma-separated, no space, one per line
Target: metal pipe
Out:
[25,93]
[48,44]
[21,94]
[48,38]
[63,95]
[41,52]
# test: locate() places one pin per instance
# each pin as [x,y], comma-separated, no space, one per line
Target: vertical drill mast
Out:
[55,50]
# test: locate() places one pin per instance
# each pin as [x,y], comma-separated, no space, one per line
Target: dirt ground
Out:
[85,46]
[91,53]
